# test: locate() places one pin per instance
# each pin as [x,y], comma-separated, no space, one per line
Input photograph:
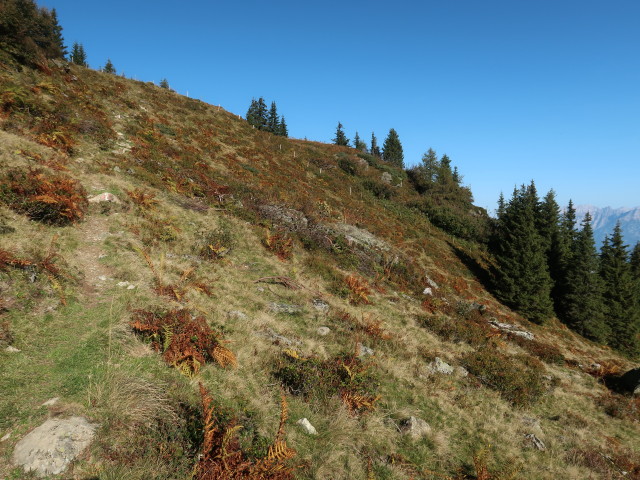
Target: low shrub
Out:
[347,165]
[218,243]
[185,341]
[53,200]
[544,351]
[280,243]
[379,189]
[518,378]
[620,406]
[457,330]
[345,375]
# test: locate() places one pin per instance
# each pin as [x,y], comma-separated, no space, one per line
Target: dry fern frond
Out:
[223,356]
[357,403]
[360,290]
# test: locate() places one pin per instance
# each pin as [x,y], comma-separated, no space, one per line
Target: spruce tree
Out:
[282,128]
[618,294]
[375,149]
[164,83]
[583,309]
[522,276]
[273,119]
[257,114]
[78,55]
[555,248]
[340,138]
[108,67]
[392,149]
[359,144]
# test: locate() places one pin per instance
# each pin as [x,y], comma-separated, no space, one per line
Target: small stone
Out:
[104,197]
[440,366]
[5,437]
[386,178]
[260,289]
[51,401]
[323,331]
[307,427]
[237,314]
[430,282]
[364,350]
[415,427]
[427,291]
[102,278]
[101,256]
[131,287]
[12,349]
[535,442]
[123,284]
[320,305]
[461,372]
[285,308]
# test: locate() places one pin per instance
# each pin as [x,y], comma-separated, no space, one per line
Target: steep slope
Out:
[227,250]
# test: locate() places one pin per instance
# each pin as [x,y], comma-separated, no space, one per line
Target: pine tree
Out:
[583,308]
[522,276]
[257,114]
[78,55]
[392,149]
[282,128]
[618,294]
[273,119]
[375,149]
[164,83]
[340,138]
[556,249]
[108,67]
[359,144]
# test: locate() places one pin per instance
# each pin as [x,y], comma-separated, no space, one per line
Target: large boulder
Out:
[51,447]
[630,381]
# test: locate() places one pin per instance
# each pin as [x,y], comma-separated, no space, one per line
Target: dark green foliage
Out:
[359,144]
[257,114]
[582,307]
[29,33]
[522,278]
[108,67]
[273,120]
[379,189]
[164,83]
[518,378]
[618,294]
[217,243]
[78,55]
[340,138]
[347,165]
[282,128]
[392,149]
[375,149]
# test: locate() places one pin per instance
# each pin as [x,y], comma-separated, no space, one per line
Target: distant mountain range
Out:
[604,219]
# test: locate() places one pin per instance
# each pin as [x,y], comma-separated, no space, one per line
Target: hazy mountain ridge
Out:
[605,218]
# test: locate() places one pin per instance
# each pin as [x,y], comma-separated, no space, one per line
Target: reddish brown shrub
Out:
[54,200]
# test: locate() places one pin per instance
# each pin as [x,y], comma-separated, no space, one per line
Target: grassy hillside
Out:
[226,251]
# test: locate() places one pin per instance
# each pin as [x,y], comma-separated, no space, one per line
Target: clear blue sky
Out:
[511,90]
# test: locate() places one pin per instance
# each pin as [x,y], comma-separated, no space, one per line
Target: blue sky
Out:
[511,90]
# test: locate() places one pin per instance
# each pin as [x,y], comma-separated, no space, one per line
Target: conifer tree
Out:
[273,119]
[392,149]
[257,114]
[556,249]
[375,149]
[282,128]
[522,276]
[583,309]
[108,67]
[359,144]
[618,294]
[340,138]
[78,55]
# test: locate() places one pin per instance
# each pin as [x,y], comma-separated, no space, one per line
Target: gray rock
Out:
[440,366]
[320,305]
[104,197]
[386,178]
[430,282]
[49,448]
[12,349]
[630,381]
[238,315]
[323,331]
[307,427]
[285,308]
[415,427]
[278,339]
[461,372]
[50,402]
[427,291]
[535,442]
[364,350]
[513,329]
[5,437]
[293,219]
